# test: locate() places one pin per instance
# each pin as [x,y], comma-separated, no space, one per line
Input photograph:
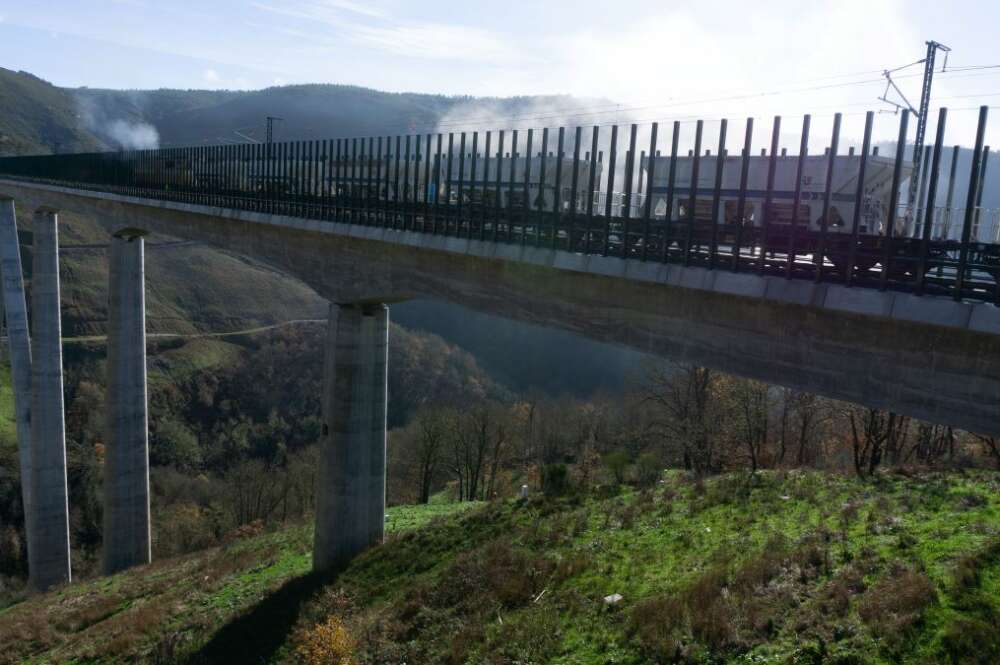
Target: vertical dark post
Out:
[287,192]
[979,196]
[473,183]
[797,199]
[950,199]
[827,196]
[922,191]
[461,181]
[650,169]
[304,166]
[427,183]
[542,177]
[496,193]
[447,199]
[437,185]
[592,183]
[486,182]
[557,193]
[526,215]
[609,195]
[272,174]
[388,217]
[928,225]
[890,223]
[859,199]
[575,186]
[294,177]
[406,182]
[338,179]
[693,192]
[970,204]
[371,181]
[982,177]
[671,181]
[629,177]
[510,184]
[765,218]
[720,164]
[353,180]
[314,164]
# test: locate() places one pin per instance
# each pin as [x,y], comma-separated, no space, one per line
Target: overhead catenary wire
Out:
[590,112]
[579,114]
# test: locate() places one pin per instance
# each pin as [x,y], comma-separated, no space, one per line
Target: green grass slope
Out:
[796,568]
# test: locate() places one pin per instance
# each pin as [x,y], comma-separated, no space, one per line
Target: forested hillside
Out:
[40,118]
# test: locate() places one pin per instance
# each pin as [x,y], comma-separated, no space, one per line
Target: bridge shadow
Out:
[256,635]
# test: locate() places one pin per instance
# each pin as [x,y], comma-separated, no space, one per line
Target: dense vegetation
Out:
[790,568]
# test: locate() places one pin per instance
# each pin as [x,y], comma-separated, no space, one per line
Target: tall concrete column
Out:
[126,461]
[19,342]
[350,497]
[50,557]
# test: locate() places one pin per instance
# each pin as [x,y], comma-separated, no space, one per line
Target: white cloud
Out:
[210,76]
[438,41]
[330,12]
[374,28]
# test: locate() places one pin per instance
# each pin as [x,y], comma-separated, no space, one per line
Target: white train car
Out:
[875,198]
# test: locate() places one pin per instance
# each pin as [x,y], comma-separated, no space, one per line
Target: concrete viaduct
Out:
[932,358]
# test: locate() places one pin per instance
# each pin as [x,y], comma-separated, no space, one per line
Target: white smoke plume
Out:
[125,133]
[132,135]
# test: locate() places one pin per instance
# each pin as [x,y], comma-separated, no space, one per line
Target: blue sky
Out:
[672,58]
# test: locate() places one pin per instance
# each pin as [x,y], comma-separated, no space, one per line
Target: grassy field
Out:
[796,568]
[165,608]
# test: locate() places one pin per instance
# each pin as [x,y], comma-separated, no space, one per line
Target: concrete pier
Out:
[350,496]
[19,342]
[49,563]
[126,463]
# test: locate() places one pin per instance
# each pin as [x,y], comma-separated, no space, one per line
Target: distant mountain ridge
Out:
[42,118]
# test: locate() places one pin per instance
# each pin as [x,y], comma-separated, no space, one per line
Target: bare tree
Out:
[873,432]
[684,398]
[931,443]
[478,443]
[429,448]
[992,446]
[752,401]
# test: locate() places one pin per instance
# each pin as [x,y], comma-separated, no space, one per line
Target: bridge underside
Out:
[930,358]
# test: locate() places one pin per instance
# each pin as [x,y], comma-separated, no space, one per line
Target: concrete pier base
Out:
[19,343]
[50,557]
[126,464]
[350,496]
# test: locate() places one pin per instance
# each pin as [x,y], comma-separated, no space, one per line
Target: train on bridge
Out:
[840,217]
[737,205]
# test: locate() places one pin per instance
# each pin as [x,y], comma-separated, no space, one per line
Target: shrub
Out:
[555,479]
[326,643]
[617,462]
[659,625]
[647,469]
[895,605]
[972,642]
[532,636]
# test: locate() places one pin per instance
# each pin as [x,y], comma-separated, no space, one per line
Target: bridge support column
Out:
[126,464]
[19,343]
[350,496]
[50,560]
